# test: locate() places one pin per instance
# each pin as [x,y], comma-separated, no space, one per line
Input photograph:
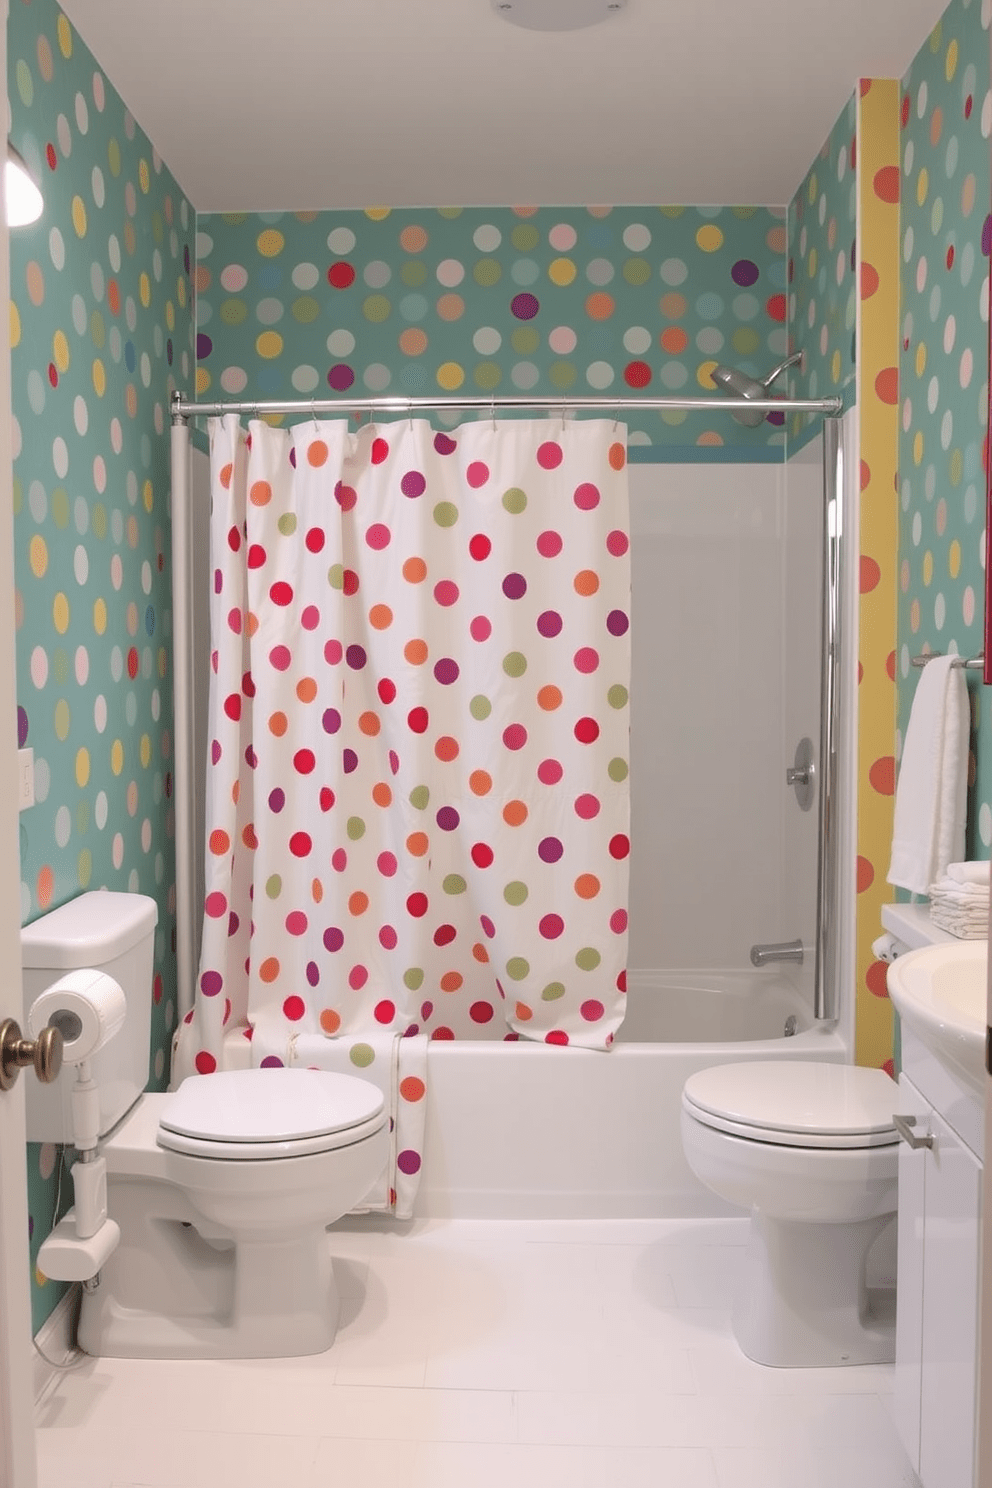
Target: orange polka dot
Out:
[446,748]
[514,813]
[451,981]
[523,1013]
[251,624]
[220,842]
[381,794]
[248,837]
[225,476]
[415,570]
[369,724]
[330,1021]
[317,453]
[549,698]
[451,307]
[317,891]
[358,902]
[236,792]
[869,280]
[936,125]
[278,724]
[865,475]
[413,239]
[866,874]
[618,456]
[587,885]
[480,953]
[480,782]
[876,980]
[269,969]
[306,689]
[415,652]
[260,493]
[675,305]
[870,574]
[417,844]
[586,582]
[45,886]
[890,666]
[413,341]
[674,340]
[380,617]
[887,385]
[412,1089]
[882,775]
[600,306]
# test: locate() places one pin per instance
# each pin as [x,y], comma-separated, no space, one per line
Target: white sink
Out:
[939,992]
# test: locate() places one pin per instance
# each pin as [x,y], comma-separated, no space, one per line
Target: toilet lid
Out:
[795,1103]
[269,1106]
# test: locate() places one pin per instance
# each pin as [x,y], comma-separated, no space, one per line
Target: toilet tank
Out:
[110,932]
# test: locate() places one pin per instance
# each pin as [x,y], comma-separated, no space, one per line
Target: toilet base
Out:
[803,1301]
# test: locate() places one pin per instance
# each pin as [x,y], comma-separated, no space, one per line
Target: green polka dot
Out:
[362,1055]
[480,707]
[745,341]
[525,340]
[273,886]
[446,514]
[414,273]
[420,797]
[637,271]
[487,375]
[515,500]
[25,82]
[98,520]
[60,666]
[487,272]
[957,467]
[587,959]
[413,978]
[114,157]
[335,575]
[525,237]
[306,309]
[515,893]
[83,818]
[18,495]
[233,311]
[63,719]
[517,968]
[562,374]
[514,663]
[618,769]
[287,524]
[453,883]
[355,828]
[98,331]
[553,991]
[84,867]
[60,508]
[376,309]
[617,696]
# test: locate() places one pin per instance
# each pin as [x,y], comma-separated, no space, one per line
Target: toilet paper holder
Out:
[17,1053]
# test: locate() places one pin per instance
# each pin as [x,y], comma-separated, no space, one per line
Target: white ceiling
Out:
[258,106]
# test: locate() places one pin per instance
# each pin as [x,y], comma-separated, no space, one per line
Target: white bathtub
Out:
[521,1130]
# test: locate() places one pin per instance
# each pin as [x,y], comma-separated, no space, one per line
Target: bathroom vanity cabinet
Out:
[940,1204]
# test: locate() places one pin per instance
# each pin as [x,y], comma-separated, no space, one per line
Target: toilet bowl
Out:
[222,1190]
[811,1150]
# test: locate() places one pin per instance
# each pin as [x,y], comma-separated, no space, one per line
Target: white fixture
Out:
[25,203]
[810,1149]
[556,15]
[222,1191]
[25,779]
[939,992]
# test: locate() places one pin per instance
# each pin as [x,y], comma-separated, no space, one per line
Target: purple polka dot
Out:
[277,799]
[331,720]
[448,818]
[349,761]
[549,623]
[216,752]
[333,938]
[394,761]
[549,772]
[744,272]
[987,235]
[271,1061]
[446,671]
[426,1008]
[211,983]
[413,484]
[524,306]
[549,544]
[775,418]
[549,850]
[340,376]
[488,928]
[514,586]
[444,445]
[22,727]
[408,1161]
[356,656]
[617,623]
[204,346]
[551,926]
[313,973]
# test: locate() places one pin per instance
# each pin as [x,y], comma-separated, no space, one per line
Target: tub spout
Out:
[784,950]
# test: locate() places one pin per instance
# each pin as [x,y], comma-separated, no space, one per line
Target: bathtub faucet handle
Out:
[784,950]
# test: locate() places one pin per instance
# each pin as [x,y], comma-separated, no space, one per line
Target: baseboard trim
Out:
[55,1339]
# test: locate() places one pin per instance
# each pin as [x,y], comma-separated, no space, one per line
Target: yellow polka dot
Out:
[709,237]
[812,189]
[181,293]
[63,719]
[144,178]
[100,616]
[60,351]
[84,867]
[82,767]
[79,216]
[951,60]
[39,556]
[147,496]
[811,263]
[64,33]
[377,214]
[117,756]
[954,559]
[99,378]
[202,379]
[918,448]
[60,613]
[561,271]
[145,751]
[921,359]
[15,325]
[957,467]
[114,157]
[704,375]
[450,376]
[927,568]
[835,366]
[922,186]
[270,242]
[170,315]
[145,290]
[269,344]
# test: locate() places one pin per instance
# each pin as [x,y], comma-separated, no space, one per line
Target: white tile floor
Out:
[475,1354]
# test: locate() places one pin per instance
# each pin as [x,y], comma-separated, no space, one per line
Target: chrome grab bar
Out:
[904,1126]
[783,950]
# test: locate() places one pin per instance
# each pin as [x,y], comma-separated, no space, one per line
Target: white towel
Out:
[931,792]
[970,873]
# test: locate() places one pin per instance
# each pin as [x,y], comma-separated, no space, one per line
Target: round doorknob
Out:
[16,1053]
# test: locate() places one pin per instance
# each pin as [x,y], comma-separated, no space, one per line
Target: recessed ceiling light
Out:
[556,15]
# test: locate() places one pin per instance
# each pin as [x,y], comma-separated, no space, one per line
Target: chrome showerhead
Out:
[737,384]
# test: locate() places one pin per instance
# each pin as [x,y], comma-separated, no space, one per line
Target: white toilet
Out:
[223,1189]
[811,1150]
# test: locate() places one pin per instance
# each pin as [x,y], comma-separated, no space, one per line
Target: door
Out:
[17,1449]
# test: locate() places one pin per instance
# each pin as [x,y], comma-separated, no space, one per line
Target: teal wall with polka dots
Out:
[945,232]
[101,330]
[553,301]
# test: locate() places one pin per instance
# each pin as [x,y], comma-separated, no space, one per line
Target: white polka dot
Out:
[939,611]
[904,661]
[599,375]
[42,779]
[377,377]
[921,99]
[269,311]
[907,245]
[204,245]
[116,571]
[524,375]
[709,340]
[305,379]
[674,272]
[921,275]
[64,135]
[114,252]
[79,318]
[562,340]
[637,237]
[637,340]
[117,850]
[80,414]
[917,529]
[946,429]
[81,564]
[840,268]
[234,380]
[933,394]
[100,810]
[159,1063]
[340,343]
[987,116]
[146,835]
[600,271]
[341,240]
[985,824]
[377,273]
[306,276]
[82,114]
[966,368]
[97,187]
[842,163]
[487,238]
[487,341]
[39,666]
[46,1160]
[450,272]
[56,249]
[907,415]
[968,605]
[60,457]
[63,826]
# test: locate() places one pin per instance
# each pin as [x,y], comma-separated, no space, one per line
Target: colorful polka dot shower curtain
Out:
[417,795]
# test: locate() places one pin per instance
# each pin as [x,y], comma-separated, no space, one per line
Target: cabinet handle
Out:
[904,1126]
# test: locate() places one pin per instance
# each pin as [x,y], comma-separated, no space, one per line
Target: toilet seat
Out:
[254,1115]
[795,1103]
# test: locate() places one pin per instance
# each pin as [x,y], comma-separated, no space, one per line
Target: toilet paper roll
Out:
[886,948]
[86,1006]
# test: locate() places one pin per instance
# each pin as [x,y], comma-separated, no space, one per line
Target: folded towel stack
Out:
[959,902]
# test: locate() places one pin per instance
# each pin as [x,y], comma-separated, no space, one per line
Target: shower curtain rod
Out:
[182,409]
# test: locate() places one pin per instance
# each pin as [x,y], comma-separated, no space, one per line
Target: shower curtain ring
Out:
[563,415]
[409,412]
[617,419]
[492,409]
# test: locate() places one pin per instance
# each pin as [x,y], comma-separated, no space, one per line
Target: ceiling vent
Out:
[556,15]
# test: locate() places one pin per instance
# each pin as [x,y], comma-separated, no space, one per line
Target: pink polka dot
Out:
[446,593]
[333,652]
[477,474]
[551,926]
[388,938]
[384,1011]
[586,807]
[515,736]
[386,864]
[592,1010]
[339,860]
[618,921]
[586,496]
[549,772]
[294,1008]
[357,977]
[549,544]
[617,543]
[586,659]
[281,658]
[549,455]
[216,905]
[378,536]
[480,628]
[310,618]
[296,922]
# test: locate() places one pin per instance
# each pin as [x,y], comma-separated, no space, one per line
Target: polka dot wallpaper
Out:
[506,301]
[945,127]
[101,329]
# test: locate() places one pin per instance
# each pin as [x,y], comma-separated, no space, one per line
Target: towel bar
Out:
[973,663]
